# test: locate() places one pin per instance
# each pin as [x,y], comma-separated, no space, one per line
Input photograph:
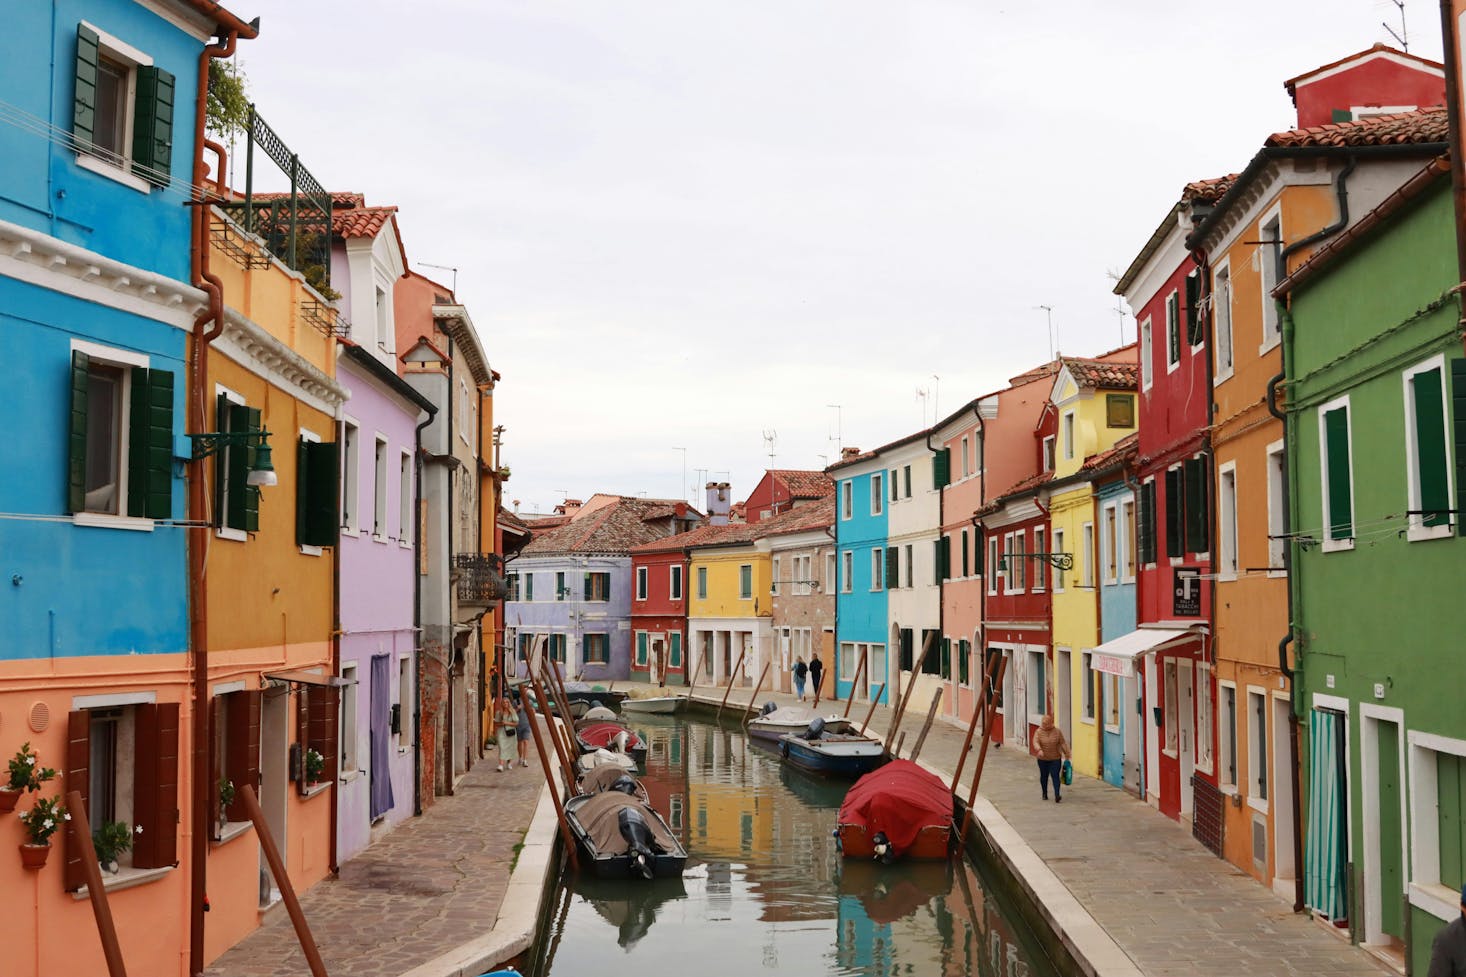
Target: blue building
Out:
[1121,752]
[861,609]
[96,310]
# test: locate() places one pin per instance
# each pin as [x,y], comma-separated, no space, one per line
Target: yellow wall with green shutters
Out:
[1076,616]
[723,594]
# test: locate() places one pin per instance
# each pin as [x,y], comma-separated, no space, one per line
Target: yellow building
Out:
[730,605]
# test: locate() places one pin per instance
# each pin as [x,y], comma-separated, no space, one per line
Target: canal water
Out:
[764,889]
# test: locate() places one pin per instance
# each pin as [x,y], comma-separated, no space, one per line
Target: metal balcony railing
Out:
[479,578]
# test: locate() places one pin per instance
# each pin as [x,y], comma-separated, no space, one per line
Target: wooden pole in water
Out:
[567,766]
[979,713]
[982,754]
[859,674]
[692,676]
[736,669]
[756,690]
[565,833]
[282,881]
[900,740]
[872,710]
[566,733]
[80,834]
[931,714]
[926,650]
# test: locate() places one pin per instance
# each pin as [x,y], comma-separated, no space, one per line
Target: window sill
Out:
[378,538]
[1229,789]
[113,172]
[125,879]
[406,544]
[1221,378]
[1170,753]
[103,520]
[230,831]
[1421,534]
[1436,899]
[229,533]
[1257,805]
[1270,344]
[348,531]
[312,790]
[1226,578]
[311,551]
[1337,545]
[1277,574]
[1087,720]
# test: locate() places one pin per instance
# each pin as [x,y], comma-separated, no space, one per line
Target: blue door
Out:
[1112,715]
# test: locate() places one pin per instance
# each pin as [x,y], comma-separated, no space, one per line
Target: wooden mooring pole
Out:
[756,690]
[692,675]
[982,754]
[567,763]
[875,701]
[855,685]
[926,649]
[557,683]
[931,714]
[80,834]
[979,714]
[282,881]
[736,669]
[566,834]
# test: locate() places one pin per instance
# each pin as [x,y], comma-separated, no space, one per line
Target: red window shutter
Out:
[324,734]
[243,761]
[215,774]
[302,735]
[156,786]
[78,778]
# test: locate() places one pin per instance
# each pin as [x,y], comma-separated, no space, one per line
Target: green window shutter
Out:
[302,482]
[320,472]
[150,445]
[1430,447]
[980,553]
[893,567]
[1458,423]
[941,468]
[152,126]
[964,651]
[1336,454]
[587,586]
[641,647]
[946,658]
[945,558]
[76,460]
[1145,524]
[1173,329]
[1193,310]
[1197,523]
[1341,115]
[84,104]
[1174,542]
[221,461]
[675,657]
[244,499]
[966,556]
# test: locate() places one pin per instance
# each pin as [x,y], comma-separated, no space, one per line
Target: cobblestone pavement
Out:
[431,884]
[1175,908]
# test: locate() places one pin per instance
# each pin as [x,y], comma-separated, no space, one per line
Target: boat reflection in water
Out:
[766,890]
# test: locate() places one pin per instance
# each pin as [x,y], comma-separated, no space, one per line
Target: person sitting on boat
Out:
[1051,748]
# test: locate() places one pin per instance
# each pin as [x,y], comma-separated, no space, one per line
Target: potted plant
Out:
[226,798]
[41,822]
[26,774]
[110,841]
[315,765]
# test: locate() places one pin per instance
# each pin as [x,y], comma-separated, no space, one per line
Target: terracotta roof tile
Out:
[816,515]
[1292,83]
[350,216]
[1100,375]
[1208,191]
[1025,486]
[804,484]
[616,527]
[1398,128]
[1127,445]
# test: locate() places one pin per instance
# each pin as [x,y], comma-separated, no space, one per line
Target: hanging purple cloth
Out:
[381,735]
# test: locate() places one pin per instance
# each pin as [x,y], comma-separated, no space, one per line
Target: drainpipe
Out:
[1285,319]
[417,460]
[942,577]
[1452,48]
[197,502]
[1202,260]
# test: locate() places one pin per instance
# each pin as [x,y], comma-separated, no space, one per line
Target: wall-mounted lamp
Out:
[262,474]
[1059,561]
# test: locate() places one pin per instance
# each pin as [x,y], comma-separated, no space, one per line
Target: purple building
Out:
[378,578]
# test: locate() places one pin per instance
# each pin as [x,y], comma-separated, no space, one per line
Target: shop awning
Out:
[1117,656]
[301,677]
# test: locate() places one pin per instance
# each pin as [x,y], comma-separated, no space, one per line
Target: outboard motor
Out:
[815,730]
[769,707]
[625,785]
[643,846]
[882,847]
[619,741]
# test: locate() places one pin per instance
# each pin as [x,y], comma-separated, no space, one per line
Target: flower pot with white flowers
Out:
[41,822]
[315,765]
[25,774]
[110,842]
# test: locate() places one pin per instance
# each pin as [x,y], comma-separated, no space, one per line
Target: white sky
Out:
[683,223]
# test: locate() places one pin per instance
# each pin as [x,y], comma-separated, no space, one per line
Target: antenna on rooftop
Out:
[454,287]
[770,438]
[1119,308]
[1049,310]
[1402,38]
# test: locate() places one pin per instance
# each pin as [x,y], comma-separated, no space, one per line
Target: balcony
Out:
[478,579]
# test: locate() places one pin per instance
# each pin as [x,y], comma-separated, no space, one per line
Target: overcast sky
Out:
[685,223]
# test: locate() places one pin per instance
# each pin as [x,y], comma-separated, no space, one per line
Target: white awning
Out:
[1117,656]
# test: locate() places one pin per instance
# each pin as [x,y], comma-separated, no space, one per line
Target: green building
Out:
[1376,438]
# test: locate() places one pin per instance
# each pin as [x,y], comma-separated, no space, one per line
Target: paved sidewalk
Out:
[432,884]
[1172,906]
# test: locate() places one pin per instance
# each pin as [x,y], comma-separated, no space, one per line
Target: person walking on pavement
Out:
[521,730]
[816,669]
[506,723]
[1448,949]
[1051,748]
[800,671]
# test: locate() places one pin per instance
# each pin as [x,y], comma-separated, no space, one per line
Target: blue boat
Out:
[832,747]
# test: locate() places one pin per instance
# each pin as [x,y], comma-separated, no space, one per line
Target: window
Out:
[1257,742]
[1058,571]
[598,586]
[804,573]
[674,582]
[464,421]
[562,592]
[910,566]
[405,697]
[513,581]
[237,503]
[877,495]
[641,653]
[122,114]
[1227,775]
[702,583]
[1271,237]
[931,664]
[1041,563]
[1338,480]
[597,649]
[1426,453]
[1276,554]
[966,462]
[385,328]
[1227,517]
[745,581]
[1037,685]
[1145,353]
[529,586]
[966,557]
[829,573]
[379,491]
[1146,530]
[1110,544]
[1086,555]
[557,648]
[847,495]
[404,500]
[674,653]
[893,567]
[1086,678]
[847,571]
[1048,450]
[895,486]
[1112,702]
[348,718]
[120,438]
[876,556]
[964,662]
[907,651]
[906,480]
[774,585]
[350,463]
[1068,429]
[641,573]
[1221,300]
[1119,410]
[1203,717]
[1188,521]
[992,567]
[941,559]
[1173,331]
[1127,537]
[941,467]
[1193,309]
[316,474]
[1172,715]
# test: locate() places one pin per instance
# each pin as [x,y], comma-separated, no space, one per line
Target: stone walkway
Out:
[430,885]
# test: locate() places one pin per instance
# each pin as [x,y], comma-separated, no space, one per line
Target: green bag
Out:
[1066,773]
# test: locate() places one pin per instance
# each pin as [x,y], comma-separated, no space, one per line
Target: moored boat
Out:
[610,776]
[772,723]
[832,748]
[622,837]
[897,811]
[605,758]
[660,705]
[611,736]
[593,695]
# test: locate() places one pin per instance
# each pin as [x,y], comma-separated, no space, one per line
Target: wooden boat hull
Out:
[660,706]
[773,732]
[620,866]
[933,843]
[844,757]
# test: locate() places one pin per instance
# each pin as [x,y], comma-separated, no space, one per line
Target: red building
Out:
[1378,81]
[659,610]
[782,489]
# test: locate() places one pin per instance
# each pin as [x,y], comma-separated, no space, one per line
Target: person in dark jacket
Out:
[1448,950]
[800,671]
[816,669]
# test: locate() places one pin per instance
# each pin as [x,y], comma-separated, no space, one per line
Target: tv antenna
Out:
[454,287]
[1049,311]
[1402,38]
[1119,308]
[839,437]
[771,437]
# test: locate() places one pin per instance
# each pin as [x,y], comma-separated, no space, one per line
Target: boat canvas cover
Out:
[600,778]
[787,716]
[601,735]
[600,817]
[899,800]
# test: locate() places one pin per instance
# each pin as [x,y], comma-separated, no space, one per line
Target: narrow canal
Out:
[765,890]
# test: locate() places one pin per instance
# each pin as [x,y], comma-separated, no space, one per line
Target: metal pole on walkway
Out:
[926,649]
[282,881]
[565,833]
[931,714]
[756,690]
[982,754]
[979,713]
[872,710]
[80,835]
[859,674]
[736,669]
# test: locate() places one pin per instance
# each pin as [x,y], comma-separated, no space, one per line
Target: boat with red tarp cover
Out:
[897,811]
[603,736]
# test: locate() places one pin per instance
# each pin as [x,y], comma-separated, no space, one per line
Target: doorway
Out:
[1187,704]
[1133,759]
[274,777]
[1384,820]
[655,664]
[1064,693]
[1284,870]
[1327,837]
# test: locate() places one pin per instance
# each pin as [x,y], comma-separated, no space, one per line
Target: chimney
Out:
[679,510]
[719,503]
[847,453]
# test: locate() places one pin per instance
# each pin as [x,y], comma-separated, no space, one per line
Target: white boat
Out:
[658,705]
[589,761]
[782,721]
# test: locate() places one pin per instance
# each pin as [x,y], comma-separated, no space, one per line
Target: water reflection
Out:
[764,887]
